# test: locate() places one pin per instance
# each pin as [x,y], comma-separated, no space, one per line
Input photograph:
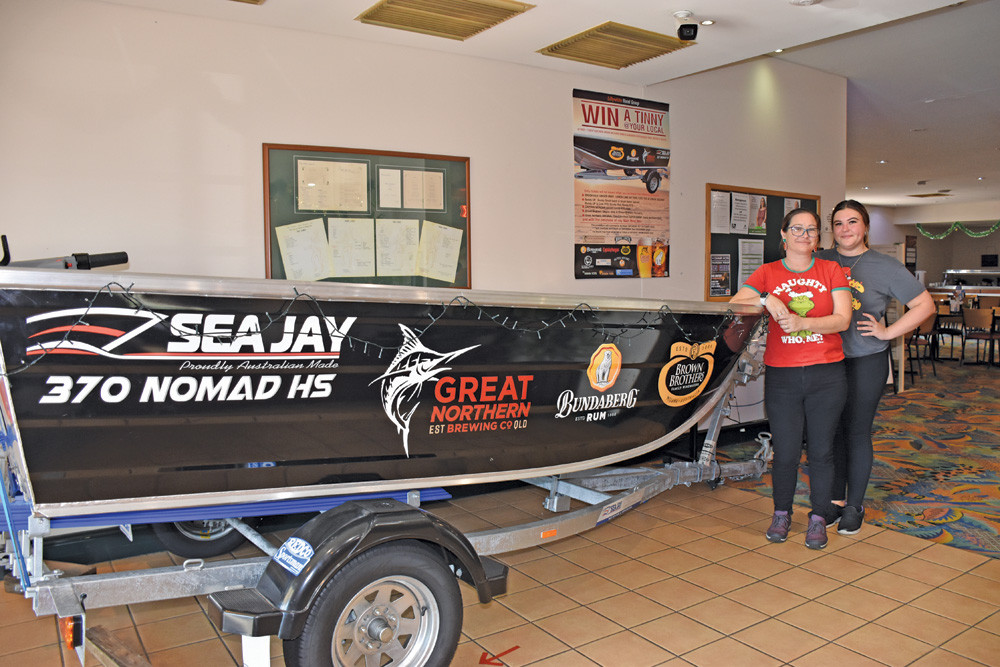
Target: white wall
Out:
[765,124]
[127,129]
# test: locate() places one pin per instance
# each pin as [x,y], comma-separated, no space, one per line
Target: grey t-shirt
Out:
[874,279]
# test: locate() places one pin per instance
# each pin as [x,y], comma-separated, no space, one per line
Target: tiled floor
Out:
[686,579]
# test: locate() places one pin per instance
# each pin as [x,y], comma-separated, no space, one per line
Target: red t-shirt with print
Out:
[807,293]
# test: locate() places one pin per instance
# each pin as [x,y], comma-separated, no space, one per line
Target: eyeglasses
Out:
[812,232]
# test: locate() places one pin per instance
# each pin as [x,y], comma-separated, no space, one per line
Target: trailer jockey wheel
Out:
[198,539]
[397,604]
[652,181]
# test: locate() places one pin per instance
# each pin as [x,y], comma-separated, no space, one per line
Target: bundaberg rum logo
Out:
[605,365]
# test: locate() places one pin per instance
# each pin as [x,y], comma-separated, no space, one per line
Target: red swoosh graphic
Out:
[86,328]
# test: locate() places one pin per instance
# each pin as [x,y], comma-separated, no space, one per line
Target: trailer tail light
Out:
[71,631]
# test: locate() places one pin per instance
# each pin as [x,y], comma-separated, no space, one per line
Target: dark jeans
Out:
[852,447]
[809,400]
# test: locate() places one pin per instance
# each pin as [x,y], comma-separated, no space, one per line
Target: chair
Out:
[989,301]
[920,345]
[947,324]
[980,325]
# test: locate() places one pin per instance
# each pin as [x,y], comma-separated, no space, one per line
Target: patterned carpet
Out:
[937,460]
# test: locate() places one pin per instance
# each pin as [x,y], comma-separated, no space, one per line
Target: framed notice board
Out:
[362,216]
[743,231]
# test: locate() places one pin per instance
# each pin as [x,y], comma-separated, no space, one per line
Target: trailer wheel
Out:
[652,181]
[198,539]
[395,604]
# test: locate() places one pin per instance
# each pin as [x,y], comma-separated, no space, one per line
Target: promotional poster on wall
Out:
[621,149]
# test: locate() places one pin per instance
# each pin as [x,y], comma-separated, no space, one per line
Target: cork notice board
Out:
[743,231]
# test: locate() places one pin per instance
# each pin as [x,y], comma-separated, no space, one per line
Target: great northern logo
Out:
[687,373]
[605,365]
[403,381]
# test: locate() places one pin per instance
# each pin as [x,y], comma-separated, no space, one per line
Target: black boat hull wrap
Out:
[140,387]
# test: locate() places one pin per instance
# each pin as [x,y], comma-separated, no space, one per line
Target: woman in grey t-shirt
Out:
[874,279]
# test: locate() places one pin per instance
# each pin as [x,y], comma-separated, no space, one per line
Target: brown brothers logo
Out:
[687,373]
[605,365]
[616,152]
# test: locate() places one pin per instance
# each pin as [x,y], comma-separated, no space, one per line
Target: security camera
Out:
[687,29]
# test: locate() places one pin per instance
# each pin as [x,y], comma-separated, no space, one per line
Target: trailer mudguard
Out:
[309,558]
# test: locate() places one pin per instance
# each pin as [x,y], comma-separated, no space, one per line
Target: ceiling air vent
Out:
[931,194]
[614,45]
[454,19]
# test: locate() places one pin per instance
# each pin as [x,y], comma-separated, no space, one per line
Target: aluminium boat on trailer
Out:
[139,396]
[132,392]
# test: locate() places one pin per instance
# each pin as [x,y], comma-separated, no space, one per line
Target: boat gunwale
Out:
[264,288]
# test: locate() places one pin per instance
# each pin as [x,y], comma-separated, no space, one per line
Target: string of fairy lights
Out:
[620,333]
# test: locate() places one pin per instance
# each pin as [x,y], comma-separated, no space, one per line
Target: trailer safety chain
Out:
[648,321]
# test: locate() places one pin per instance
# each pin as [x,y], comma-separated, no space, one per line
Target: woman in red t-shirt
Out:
[805,386]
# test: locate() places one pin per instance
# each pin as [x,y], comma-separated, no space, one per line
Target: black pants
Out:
[809,400]
[852,447]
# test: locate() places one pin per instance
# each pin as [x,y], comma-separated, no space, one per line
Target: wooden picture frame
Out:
[365,216]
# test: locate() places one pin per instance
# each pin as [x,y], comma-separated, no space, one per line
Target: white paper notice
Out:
[433,190]
[720,212]
[792,204]
[423,190]
[413,189]
[751,256]
[396,246]
[327,185]
[304,251]
[439,249]
[390,188]
[352,247]
[740,219]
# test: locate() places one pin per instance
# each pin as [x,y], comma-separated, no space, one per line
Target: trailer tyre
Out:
[395,604]
[198,539]
[652,181]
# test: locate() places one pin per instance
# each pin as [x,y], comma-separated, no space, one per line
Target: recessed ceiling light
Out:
[881,162]
[779,50]
[865,188]
[804,3]
[708,22]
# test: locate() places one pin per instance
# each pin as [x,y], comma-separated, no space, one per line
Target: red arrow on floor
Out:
[487,659]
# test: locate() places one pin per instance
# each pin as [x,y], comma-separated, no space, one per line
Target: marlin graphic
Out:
[413,365]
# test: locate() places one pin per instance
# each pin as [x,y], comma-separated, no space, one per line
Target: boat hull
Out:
[177,392]
[602,154]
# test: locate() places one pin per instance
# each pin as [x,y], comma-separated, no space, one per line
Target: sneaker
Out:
[780,523]
[851,520]
[816,532]
[833,515]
